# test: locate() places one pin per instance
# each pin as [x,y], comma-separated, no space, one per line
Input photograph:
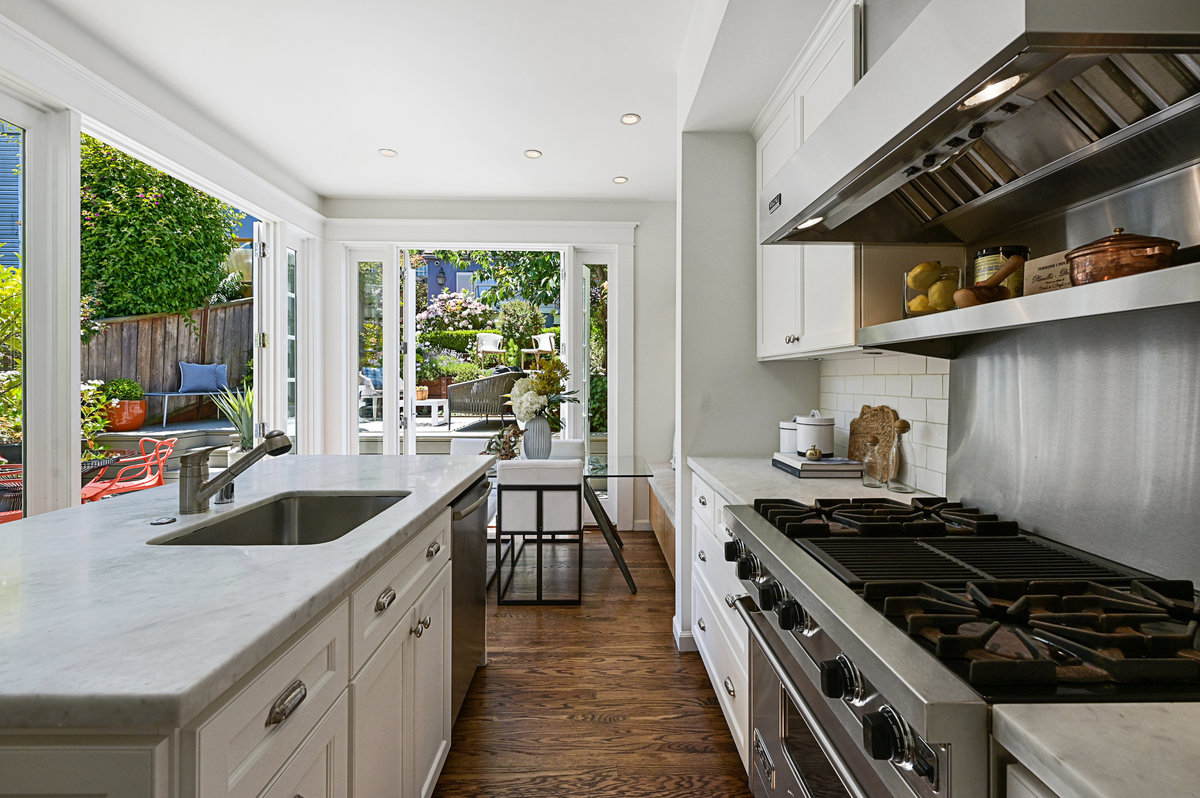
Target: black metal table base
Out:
[615,544]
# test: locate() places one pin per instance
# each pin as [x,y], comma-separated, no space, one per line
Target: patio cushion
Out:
[374,374]
[201,378]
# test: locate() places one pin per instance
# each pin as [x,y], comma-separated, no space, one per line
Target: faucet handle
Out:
[197,457]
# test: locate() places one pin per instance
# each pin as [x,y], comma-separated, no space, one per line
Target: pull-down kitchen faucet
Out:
[195,491]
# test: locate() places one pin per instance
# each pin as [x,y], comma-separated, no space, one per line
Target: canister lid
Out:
[787,424]
[1007,250]
[814,419]
[1120,241]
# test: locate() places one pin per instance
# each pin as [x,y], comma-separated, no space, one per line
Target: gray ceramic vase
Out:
[536,442]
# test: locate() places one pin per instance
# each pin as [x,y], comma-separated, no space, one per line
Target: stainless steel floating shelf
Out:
[941,334]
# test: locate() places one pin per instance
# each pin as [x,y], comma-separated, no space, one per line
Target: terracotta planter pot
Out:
[421,392]
[437,388]
[126,415]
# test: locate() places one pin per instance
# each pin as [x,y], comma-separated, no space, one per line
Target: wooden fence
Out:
[148,348]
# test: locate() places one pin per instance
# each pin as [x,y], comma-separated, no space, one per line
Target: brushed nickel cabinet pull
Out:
[286,704]
[385,599]
[729,686]
[703,557]
[426,621]
[433,549]
[703,502]
[417,630]
[700,623]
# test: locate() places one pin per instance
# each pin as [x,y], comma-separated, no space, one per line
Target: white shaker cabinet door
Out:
[381,759]
[430,675]
[318,768]
[828,317]
[780,294]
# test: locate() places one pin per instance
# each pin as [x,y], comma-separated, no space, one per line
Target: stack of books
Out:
[825,468]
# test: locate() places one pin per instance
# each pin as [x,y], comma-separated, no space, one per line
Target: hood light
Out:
[620,179]
[533,154]
[813,222]
[992,91]
[630,119]
[387,152]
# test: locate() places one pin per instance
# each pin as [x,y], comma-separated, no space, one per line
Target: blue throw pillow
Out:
[375,375]
[199,378]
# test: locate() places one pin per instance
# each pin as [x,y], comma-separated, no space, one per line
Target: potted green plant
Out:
[239,409]
[442,372]
[126,406]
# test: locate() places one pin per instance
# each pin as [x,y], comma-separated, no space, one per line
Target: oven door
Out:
[798,748]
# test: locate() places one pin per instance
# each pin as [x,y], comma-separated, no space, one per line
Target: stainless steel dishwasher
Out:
[468,568]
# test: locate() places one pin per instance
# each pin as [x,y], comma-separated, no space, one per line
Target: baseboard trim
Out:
[684,641]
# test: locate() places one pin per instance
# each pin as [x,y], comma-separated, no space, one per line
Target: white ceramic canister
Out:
[787,436]
[813,430]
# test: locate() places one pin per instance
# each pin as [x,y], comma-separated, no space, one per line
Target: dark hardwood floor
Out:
[593,700]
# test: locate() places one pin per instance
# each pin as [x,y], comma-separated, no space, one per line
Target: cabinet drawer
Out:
[240,747]
[726,669]
[318,769]
[379,603]
[703,500]
[718,610]
[721,576]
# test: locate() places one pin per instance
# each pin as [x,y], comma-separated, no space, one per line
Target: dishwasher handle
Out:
[475,505]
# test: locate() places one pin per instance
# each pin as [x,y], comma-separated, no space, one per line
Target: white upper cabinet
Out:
[808,294]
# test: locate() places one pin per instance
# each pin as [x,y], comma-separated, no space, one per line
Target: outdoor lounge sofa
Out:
[485,396]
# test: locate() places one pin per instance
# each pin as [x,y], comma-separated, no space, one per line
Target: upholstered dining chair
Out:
[488,344]
[539,501]
[543,344]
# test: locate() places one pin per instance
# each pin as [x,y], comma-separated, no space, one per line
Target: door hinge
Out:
[260,429]
[264,340]
[264,249]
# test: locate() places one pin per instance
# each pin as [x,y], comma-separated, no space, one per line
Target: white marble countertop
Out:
[1105,750]
[98,629]
[741,480]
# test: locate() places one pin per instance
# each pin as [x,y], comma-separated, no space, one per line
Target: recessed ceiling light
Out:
[807,223]
[991,91]
[387,152]
[630,119]
[534,154]
[620,179]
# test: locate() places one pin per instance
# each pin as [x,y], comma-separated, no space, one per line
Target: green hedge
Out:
[464,340]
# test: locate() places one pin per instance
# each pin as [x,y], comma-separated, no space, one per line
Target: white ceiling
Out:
[460,88]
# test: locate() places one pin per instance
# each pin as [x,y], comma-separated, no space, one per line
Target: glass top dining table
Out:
[602,465]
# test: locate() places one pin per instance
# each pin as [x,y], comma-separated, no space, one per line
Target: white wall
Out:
[917,388]
[654,280]
[727,403]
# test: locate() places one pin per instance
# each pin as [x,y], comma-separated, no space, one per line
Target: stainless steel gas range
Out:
[881,633]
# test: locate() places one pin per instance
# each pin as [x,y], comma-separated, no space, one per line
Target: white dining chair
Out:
[539,501]
[543,344]
[488,344]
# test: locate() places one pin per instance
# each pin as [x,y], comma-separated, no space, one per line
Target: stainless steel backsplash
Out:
[1087,432]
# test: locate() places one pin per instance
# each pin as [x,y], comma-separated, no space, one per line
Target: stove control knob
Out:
[747,567]
[734,549]
[770,593]
[790,614]
[886,736]
[840,679]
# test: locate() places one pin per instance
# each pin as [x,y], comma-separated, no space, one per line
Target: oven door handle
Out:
[789,686]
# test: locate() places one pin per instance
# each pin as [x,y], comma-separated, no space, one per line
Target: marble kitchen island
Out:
[103,634]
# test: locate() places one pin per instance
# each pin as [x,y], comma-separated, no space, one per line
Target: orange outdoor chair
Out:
[11,490]
[135,473]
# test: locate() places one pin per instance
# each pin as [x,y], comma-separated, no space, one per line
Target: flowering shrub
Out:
[454,311]
[93,416]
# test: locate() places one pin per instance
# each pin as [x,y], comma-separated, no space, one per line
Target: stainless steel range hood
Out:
[1107,93]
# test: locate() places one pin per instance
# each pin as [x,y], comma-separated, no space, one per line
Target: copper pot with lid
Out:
[1119,255]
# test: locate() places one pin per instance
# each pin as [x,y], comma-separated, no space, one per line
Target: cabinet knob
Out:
[703,501]
[703,557]
[433,549]
[700,623]
[729,686]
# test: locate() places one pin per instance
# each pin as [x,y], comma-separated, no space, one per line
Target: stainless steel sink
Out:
[297,520]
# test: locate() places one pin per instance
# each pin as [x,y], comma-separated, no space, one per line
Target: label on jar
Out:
[987,265]
[1048,273]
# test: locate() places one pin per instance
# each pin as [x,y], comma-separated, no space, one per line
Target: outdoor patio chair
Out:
[538,501]
[485,396]
[367,392]
[488,344]
[133,473]
[542,345]
[11,491]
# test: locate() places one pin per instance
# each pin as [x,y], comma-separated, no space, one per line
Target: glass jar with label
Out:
[990,260]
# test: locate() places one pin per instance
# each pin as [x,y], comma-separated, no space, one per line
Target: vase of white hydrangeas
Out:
[534,401]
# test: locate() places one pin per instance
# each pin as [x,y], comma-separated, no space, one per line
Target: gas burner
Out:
[874,517]
[1014,632]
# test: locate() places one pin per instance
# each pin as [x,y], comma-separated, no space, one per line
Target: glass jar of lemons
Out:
[929,288]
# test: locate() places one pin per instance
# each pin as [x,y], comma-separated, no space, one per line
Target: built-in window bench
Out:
[662,510]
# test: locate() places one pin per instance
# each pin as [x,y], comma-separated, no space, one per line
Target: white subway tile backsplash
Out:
[911,409]
[899,385]
[928,386]
[887,364]
[915,387]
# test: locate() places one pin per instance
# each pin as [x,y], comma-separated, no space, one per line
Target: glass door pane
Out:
[291,348]
[369,407]
[12,319]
